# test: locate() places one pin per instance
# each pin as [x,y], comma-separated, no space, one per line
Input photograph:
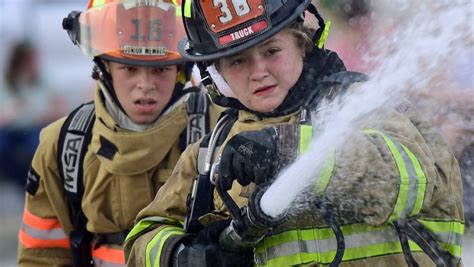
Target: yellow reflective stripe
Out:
[443,226]
[178,8]
[306,133]
[98,3]
[318,245]
[378,250]
[403,191]
[448,234]
[325,175]
[324,35]
[420,196]
[187,8]
[412,179]
[139,228]
[145,223]
[154,247]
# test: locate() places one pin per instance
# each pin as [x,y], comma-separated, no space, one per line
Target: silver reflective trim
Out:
[449,238]
[360,240]
[154,250]
[53,234]
[412,176]
[101,263]
[202,159]
[82,119]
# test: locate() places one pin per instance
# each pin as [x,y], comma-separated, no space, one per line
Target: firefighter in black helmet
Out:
[379,200]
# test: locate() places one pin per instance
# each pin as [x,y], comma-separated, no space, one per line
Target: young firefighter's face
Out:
[143,92]
[261,76]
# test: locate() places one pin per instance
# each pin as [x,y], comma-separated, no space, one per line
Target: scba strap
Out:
[74,138]
[199,200]
[198,114]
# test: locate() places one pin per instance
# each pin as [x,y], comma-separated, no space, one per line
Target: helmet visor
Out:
[132,31]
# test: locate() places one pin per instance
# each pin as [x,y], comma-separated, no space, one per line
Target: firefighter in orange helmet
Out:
[95,169]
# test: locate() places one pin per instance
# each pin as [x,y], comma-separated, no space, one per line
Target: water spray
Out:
[427,33]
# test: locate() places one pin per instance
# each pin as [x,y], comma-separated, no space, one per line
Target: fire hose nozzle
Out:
[251,225]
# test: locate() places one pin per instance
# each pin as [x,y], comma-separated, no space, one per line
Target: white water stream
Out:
[426,38]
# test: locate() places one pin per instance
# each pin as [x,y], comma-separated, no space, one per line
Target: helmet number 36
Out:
[241,8]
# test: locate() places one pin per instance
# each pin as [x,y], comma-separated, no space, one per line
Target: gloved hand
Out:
[248,157]
[205,250]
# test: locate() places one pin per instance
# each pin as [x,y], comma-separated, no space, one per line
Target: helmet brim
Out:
[144,63]
[184,45]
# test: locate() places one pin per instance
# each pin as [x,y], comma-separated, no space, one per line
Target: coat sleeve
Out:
[159,226]
[395,166]
[43,235]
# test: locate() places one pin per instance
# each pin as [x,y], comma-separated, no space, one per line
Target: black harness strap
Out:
[400,227]
[199,199]
[427,242]
[74,138]
[198,117]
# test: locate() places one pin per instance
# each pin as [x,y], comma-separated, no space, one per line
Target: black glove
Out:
[205,250]
[248,157]
[257,156]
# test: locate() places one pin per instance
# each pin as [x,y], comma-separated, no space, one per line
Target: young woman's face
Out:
[261,76]
[143,92]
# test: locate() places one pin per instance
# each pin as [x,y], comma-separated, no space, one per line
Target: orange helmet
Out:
[134,32]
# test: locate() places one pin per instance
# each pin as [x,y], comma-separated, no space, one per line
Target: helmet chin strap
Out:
[213,91]
[321,34]
[220,82]
[106,80]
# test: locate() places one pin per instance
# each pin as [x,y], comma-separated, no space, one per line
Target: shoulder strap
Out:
[199,201]
[414,230]
[74,138]
[198,118]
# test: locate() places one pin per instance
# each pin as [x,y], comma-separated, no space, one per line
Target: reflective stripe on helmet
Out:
[324,35]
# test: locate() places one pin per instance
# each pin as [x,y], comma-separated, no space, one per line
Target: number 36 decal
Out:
[224,14]
[241,7]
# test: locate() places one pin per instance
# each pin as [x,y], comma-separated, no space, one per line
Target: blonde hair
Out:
[303,35]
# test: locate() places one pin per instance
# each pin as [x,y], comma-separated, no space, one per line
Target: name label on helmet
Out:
[147,3]
[143,50]
[242,33]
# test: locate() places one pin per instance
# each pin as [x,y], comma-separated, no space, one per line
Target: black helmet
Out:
[233,26]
